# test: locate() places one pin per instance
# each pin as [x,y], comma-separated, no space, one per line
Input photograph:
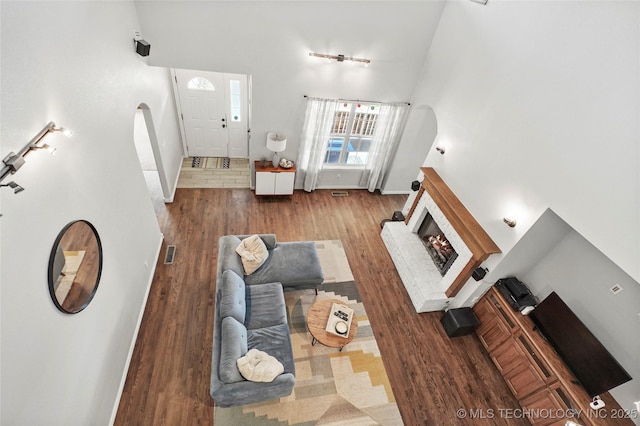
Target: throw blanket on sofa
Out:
[259,366]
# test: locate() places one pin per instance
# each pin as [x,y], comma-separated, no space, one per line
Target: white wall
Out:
[73,63]
[537,105]
[418,136]
[143,144]
[271,41]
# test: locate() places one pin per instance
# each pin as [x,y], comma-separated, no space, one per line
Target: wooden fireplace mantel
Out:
[472,234]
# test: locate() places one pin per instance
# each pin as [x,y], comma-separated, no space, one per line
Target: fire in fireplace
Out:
[437,245]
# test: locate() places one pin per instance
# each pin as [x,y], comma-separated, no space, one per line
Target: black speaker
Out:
[415,185]
[397,216]
[459,322]
[479,274]
[142,48]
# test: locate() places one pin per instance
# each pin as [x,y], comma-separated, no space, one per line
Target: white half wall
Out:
[74,63]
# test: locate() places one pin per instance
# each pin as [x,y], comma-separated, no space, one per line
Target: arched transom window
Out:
[200,83]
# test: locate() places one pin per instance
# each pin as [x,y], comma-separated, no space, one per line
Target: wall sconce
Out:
[276,143]
[510,222]
[340,58]
[12,162]
[440,149]
[16,188]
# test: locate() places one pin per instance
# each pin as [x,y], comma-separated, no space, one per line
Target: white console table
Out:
[274,180]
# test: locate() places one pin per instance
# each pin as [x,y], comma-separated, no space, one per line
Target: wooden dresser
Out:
[547,391]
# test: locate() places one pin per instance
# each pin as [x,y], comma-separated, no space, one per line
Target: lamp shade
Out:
[276,142]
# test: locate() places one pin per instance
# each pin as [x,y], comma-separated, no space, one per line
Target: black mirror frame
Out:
[52,256]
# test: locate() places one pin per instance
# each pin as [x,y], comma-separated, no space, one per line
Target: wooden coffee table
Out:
[317,321]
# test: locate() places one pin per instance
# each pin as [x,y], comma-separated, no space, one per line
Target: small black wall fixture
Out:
[479,273]
[415,185]
[142,47]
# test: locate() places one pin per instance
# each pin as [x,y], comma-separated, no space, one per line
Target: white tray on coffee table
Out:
[339,316]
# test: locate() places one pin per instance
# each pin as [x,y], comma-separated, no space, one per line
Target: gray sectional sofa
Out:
[250,313]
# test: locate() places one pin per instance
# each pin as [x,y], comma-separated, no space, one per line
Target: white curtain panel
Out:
[389,127]
[315,135]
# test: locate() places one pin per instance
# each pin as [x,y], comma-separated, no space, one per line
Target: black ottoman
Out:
[459,322]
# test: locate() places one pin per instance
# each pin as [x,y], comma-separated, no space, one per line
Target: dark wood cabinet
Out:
[493,334]
[546,389]
[524,380]
[552,400]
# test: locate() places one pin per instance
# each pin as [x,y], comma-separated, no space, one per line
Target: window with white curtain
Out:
[351,138]
[349,134]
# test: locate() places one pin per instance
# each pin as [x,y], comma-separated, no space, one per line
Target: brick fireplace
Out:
[428,289]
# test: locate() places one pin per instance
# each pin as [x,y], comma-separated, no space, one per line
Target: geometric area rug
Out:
[348,387]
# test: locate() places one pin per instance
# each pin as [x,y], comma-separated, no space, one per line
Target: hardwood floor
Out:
[432,375]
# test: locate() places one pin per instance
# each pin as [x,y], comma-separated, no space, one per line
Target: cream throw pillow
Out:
[253,253]
[258,366]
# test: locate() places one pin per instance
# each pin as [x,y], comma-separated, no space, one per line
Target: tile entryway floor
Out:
[238,175]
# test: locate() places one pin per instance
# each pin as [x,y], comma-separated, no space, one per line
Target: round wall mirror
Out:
[75,266]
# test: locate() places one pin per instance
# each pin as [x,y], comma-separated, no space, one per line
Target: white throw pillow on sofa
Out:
[259,366]
[253,253]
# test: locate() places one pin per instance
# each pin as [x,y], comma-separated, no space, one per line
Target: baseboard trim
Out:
[135,334]
[385,192]
[175,184]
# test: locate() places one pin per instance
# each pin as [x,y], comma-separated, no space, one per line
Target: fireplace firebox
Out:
[439,248]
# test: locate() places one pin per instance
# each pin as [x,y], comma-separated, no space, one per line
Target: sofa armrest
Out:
[246,392]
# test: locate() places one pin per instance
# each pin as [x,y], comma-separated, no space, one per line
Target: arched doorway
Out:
[146,143]
[419,134]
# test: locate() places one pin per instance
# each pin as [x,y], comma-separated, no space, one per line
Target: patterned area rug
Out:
[348,387]
[210,163]
[335,265]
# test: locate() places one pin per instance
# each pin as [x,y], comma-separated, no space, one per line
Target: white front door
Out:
[214,113]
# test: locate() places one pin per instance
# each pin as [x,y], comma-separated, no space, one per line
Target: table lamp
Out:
[276,143]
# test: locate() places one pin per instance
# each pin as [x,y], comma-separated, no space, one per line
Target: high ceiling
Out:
[266,38]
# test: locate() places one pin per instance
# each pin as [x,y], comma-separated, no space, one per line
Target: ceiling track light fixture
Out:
[340,58]
[12,162]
